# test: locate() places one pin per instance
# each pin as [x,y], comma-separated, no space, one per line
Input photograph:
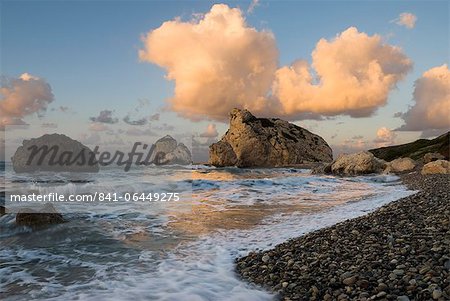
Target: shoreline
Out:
[401,251]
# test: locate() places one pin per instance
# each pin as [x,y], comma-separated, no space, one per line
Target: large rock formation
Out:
[266,142]
[400,165]
[54,152]
[167,151]
[415,150]
[357,164]
[436,167]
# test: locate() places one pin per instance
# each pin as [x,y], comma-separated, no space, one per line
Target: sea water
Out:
[175,250]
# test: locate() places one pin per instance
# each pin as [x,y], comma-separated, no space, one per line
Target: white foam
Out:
[198,268]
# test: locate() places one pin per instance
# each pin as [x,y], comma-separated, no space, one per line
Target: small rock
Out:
[437,294]
[381,294]
[382,287]
[349,281]
[265,258]
[447,264]
[398,272]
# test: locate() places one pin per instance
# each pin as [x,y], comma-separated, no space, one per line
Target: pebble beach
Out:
[399,252]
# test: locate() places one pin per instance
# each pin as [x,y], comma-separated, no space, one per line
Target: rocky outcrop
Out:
[430,157]
[436,167]
[54,152]
[168,151]
[222,154]
[400,165]
[44,217]
[357,164]
[415,150]
[266,142]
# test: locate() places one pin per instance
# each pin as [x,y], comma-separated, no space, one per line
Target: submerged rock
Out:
[357,164]
[54,152]
[44,217]
[436,167]
[266,142]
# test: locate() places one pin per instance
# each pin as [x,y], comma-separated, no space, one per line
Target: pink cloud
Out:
[218,62]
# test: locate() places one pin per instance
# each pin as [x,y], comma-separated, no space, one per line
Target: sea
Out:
[137,247]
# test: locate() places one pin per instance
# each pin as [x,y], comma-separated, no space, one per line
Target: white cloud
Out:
[26,77]
[218,62]
[252,6]
[407,20]
[354,75]
[431,109]
[385,137]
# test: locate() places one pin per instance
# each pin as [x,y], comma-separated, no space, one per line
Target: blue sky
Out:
[88,52]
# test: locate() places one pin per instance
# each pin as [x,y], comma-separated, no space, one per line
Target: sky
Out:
[361,74]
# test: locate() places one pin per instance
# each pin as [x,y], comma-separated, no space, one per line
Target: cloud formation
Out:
[210,132]
[354,75]
[384,137]
[407,20]
[218,62]
[140,121]
[23,96]
[105,116]
[252,6]
[431,102]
